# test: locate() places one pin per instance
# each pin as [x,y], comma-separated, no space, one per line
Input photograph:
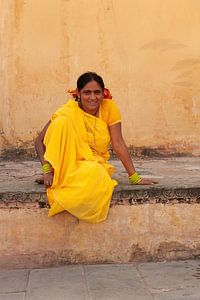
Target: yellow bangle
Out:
[135,178]
[46,168]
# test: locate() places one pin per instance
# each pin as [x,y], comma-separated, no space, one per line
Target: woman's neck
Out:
[93,113]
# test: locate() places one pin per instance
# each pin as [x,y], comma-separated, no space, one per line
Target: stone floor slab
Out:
[57,283]
[192,293]
[56,293]
[169,275]
[115,282]
[61,275]
[13,280]
[12,296]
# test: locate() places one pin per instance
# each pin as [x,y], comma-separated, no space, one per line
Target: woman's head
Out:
[85,79]
[90,89]
[88,77]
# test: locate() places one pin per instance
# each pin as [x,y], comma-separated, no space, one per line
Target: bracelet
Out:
[46,168]
[135,178]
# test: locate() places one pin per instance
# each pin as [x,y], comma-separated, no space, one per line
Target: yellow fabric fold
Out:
[77,147]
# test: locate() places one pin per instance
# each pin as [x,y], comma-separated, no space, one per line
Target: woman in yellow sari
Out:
[73,150]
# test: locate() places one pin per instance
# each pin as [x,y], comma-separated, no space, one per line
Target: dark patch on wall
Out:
[175,250]
[18,153]
[139,255]
[157,152]
[167,250]
[28,152]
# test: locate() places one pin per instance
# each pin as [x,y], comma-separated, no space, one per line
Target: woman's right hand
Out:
[145,181]
[48,179]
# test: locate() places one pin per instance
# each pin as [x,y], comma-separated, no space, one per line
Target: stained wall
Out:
[146,51]
[149,232]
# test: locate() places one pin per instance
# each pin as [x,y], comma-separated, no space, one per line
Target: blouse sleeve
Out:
[110,112]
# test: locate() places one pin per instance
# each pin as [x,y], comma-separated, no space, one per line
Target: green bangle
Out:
[135,178]
[46,168]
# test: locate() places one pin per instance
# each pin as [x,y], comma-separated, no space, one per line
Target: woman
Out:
[73,150]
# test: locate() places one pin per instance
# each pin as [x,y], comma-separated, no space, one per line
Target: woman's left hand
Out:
[147,182]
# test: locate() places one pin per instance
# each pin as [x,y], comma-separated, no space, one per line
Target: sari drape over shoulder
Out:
[77,146]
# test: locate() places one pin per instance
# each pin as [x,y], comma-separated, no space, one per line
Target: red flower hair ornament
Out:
[106,94]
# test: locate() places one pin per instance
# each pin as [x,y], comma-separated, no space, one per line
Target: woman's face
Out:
[91,96]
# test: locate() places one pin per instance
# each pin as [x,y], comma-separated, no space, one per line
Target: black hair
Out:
[87,77]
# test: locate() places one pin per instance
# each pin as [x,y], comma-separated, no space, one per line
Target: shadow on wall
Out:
[185,83]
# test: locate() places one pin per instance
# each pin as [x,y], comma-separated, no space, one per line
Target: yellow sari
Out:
[77,147]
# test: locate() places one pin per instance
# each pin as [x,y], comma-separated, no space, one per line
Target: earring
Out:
[78,98]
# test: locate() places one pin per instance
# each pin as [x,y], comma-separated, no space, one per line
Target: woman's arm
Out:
[40,149]
[119,146]
[39,145]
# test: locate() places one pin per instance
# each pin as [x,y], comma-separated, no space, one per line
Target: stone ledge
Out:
[156,195]
[126,195]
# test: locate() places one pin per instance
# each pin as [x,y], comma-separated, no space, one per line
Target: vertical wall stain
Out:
[18,12]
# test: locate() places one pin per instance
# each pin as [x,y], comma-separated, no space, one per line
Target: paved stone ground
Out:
[182,172]
[146,281]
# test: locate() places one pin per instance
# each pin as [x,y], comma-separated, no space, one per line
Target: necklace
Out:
[91,130]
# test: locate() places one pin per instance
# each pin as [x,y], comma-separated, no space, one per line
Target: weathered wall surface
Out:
[149,232]
[147,52]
